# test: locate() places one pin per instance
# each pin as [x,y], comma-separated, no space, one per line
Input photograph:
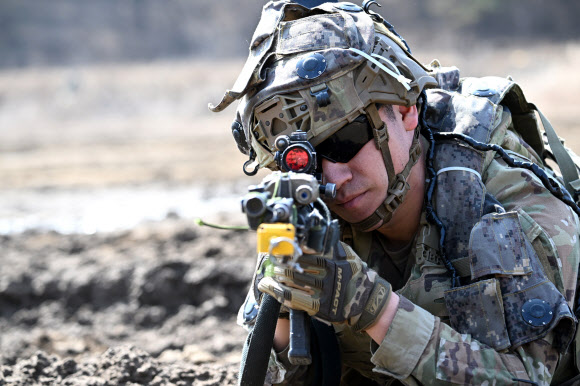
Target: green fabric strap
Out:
[564,160]
[462,266]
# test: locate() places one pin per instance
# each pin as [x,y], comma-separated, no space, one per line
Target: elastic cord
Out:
[397,75]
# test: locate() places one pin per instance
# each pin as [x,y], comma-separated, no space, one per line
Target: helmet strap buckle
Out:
[321,93]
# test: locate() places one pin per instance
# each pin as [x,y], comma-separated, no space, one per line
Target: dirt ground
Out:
[154,303]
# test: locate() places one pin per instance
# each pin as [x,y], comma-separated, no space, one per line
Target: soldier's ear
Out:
[409,116]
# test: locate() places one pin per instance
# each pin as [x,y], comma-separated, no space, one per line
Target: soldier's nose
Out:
[336,173]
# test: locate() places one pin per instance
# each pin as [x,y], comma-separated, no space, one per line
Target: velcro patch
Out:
[477,309]
[498,246]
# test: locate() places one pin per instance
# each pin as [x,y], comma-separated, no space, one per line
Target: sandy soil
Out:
[154,304]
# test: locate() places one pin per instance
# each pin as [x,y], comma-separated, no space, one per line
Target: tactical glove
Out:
[262,267]
[337,289]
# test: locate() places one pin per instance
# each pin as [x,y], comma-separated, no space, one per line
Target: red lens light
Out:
[297,159]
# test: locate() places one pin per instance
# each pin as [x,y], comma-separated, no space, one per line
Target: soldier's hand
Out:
[261,268]
[339,288]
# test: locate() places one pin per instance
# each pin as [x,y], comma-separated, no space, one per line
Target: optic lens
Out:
[297,159]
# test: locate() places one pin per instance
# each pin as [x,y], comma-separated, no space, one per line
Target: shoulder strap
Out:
[509,93]
[563,158]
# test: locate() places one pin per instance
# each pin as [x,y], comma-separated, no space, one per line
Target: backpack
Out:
[529,122]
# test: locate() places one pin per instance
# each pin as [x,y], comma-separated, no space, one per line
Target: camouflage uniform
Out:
[420,347]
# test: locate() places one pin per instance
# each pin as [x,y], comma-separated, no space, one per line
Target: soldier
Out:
[463,264]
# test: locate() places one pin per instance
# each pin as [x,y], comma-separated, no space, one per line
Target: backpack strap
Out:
[563,158]
[508,93]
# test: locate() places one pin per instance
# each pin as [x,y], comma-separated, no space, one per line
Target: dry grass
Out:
[123,124]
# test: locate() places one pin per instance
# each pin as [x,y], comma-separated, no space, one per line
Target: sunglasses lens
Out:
[343,145]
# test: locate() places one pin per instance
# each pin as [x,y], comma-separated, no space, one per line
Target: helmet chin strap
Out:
[398,185]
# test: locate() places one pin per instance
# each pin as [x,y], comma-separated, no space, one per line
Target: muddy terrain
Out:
[153,305]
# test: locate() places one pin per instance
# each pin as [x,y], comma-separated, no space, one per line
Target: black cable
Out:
[549,183]
[555,188]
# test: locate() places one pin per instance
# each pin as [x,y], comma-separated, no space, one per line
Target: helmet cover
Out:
[316,70]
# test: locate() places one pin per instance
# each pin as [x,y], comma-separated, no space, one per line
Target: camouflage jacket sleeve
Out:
[439,354]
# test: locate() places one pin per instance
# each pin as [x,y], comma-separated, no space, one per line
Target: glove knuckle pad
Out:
[307,280]
[313,260]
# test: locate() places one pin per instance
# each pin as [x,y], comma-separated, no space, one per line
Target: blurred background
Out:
[103,104]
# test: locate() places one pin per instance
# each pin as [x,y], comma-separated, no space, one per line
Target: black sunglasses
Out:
[343,145]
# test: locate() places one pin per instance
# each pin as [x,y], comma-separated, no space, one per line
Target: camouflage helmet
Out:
[316,70]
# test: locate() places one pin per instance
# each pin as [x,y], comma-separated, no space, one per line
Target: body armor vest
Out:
[473,220]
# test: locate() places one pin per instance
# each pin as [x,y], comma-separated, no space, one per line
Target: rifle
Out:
[289,216]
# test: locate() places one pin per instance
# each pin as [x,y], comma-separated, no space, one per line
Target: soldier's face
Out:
[362,182]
